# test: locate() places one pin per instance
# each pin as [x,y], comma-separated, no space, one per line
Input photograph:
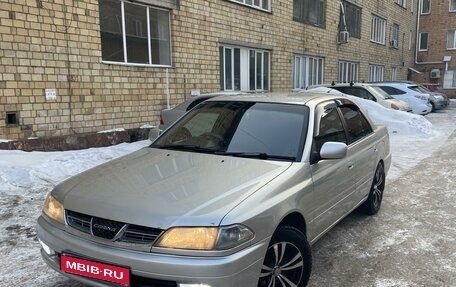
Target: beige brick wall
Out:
[57,46]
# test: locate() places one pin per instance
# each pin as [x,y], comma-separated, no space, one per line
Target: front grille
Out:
[106,228]
[109,229]
[140,234]
[79,221]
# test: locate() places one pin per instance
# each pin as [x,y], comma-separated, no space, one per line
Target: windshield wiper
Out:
[259,155]
[184,147]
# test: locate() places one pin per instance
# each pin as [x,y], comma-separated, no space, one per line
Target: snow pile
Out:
[35,171]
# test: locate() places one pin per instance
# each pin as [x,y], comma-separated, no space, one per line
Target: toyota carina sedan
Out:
[232,194]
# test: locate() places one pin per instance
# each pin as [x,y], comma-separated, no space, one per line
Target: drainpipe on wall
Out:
[167,90]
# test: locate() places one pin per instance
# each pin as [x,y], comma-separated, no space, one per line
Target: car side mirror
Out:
[154,133]
[333,150]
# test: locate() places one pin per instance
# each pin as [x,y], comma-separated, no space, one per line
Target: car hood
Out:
[163,188]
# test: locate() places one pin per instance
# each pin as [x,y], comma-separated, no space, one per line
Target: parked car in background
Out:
[373,93]
[169,116]
[435,88]
[419,102]
[232,194]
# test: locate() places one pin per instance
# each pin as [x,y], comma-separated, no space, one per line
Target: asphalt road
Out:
[410,242]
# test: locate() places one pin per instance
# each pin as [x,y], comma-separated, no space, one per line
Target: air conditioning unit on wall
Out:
[394,43]
[344,36]
[435,74]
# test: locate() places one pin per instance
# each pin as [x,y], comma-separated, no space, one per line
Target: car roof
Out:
[396,83]
[297,98]
[344,85]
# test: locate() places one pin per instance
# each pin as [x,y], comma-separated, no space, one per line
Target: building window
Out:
[244,69]
[451,39]
[402,3]
[350,19]
[308,71]
[449,81]
[259,4]
[423,41]
[426,6]
[375,73]
[309,11]
[395,36]
[134,34]
[393,73]
[378,28]
[348,72]
[452,5]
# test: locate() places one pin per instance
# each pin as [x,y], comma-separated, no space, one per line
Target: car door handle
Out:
[351,166]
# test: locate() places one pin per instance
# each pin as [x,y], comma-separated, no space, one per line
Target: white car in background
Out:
[404,91]
[372,93]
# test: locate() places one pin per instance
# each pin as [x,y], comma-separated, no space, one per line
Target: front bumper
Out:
[439,104]
[239,269]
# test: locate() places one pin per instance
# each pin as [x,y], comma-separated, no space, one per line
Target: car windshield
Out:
[380,93]
[419,89]
[245,129]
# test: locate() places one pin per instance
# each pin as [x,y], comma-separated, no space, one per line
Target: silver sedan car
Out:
[233,194]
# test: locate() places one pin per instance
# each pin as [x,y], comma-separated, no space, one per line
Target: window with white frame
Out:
[259,4]
[244,69]
[378,30]
[452,5]
[449,81]
[310,11]
[402,3]
[394,73]
[423,39]
[451,39]
[134,34]
[348,72]
[425,6]
[376,73]
[308,71]
[395,36]
[352,14]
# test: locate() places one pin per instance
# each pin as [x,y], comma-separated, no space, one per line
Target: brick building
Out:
[76,66]
[436,49]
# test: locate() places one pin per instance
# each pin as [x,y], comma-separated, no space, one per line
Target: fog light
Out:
[46,248]
[193,285]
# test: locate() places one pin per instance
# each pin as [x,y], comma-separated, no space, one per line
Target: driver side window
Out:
[330,129]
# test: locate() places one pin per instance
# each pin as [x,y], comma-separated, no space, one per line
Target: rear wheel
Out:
[372,205]
[288,260]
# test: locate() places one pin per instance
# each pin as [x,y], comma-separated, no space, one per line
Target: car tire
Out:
[372,205]
[288,260]
[433,107]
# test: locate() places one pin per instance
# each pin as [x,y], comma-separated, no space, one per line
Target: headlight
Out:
[53,209]
[205,238]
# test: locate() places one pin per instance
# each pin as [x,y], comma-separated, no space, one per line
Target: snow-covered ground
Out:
[26,178]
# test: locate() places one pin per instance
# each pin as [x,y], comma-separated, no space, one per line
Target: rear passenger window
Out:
[357,125]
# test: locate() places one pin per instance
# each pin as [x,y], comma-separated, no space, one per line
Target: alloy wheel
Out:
[283,266]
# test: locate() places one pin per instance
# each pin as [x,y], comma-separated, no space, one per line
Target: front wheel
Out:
[288,260]
[372,205]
